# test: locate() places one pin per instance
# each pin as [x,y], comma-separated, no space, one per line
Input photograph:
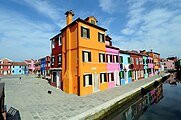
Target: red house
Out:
[48,65]
[137,65]
[5,66]
[56,61]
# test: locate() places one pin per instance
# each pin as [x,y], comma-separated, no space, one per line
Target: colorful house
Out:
[125,67]
[19,68]
[145,63]
[5,66]
[112,63]
[150,66]
[31,66]
[138,68]
[43,67]
[56,61]
[37,67]
[156,60]
[83,56]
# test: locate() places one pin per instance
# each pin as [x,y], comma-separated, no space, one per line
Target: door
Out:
[126,76]
[96,82]
[58,79]
[5,72]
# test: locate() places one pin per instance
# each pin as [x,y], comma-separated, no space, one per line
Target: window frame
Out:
[59,38]
[112,77]
[87,36]
[59,62]
[105,78]
[103,57]
[103,37]
[53,43]
[90,79]
[83,56]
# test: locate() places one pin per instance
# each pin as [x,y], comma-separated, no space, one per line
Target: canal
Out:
[162,102]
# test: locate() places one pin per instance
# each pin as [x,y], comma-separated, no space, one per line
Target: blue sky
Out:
[27,25]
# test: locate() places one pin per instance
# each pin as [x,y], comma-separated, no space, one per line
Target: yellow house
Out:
[156,60]
[83,56]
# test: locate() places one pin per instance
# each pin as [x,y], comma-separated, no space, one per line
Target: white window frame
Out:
[60,38]
[102,80]
[86,84]
[53,43]
[53,60]
[59,62]
[102,57]
[86,53]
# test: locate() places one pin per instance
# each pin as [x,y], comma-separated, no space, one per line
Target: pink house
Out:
[150,66]
[112,63]
[31,65]
[169,64]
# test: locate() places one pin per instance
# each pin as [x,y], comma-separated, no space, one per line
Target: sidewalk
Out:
[32,100]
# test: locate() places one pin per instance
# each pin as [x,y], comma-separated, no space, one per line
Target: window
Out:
[53,43]
[100,37]
[13,66]
[53,60]
[59,58]
[130,73]
[115,58]
[93,22]
[101,57]
[54,77]
[129,60]
[121,59]
[109,58]
[121,74]
[19,66]
[86,55]
[141,60]
[85,32]
[137,61]
[103,77]
[144,61]
[110,77]
[87,80]
[132,60]
[59,40]
[19,71]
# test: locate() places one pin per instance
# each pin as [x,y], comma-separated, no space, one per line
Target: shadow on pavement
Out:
[13,114]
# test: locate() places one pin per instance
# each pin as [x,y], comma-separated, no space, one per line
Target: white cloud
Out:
[23,39]
[156,29]
[47,9]
[109,6]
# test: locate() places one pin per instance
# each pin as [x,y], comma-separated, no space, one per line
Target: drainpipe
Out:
[78,76]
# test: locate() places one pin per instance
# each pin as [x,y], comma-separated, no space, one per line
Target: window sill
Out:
[86,38]
[88,86]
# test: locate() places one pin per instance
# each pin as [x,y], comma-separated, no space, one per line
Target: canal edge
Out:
[108,107]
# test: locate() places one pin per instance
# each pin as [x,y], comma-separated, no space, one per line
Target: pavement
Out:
[31,98]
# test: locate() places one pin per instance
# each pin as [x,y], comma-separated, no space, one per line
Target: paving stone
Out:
[32,100]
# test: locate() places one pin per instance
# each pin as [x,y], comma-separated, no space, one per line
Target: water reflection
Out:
[137,108]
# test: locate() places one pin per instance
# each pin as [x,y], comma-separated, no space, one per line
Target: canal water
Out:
[160,103]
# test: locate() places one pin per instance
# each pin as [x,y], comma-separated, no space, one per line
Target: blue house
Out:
[19,68]
[125,69]
[43,67]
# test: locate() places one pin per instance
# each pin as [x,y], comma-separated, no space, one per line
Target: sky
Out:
[26,26]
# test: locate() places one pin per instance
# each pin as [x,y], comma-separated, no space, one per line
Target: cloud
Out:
[110,6]
[47,9]
[156,28]
[21,38]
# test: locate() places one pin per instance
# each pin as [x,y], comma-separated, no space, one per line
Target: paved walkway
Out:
[31,98]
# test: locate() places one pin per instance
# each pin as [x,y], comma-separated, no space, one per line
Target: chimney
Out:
[69,15]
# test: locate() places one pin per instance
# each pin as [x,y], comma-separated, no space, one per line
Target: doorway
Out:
[96,82]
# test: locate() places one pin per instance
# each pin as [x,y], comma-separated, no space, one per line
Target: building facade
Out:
[150,66]
[156,60]
[112,66]
[125,67]
[31,66]
[56,62]
[19,68]
[5,66]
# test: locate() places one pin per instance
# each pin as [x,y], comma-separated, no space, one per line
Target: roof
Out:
[91,17]
[107,46]
[1,89]
[19,64]
[6,59]
[56,36]
[153,53]
[85,22]
[130,52]
[108,38]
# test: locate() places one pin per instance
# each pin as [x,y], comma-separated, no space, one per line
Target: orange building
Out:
[156,60]
[83,56]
